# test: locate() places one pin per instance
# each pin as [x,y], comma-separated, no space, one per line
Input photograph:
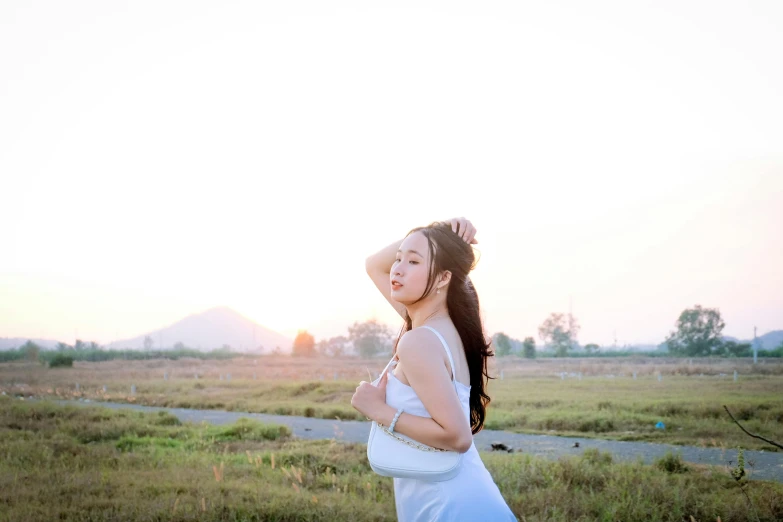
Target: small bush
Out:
[165,418]
[671,463]
[249,429]
[309,412]
[130,443]
[61,361]
[597,457]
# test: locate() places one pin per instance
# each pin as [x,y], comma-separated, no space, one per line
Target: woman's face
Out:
[409,272]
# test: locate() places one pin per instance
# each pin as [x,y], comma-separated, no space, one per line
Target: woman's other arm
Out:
[421,356]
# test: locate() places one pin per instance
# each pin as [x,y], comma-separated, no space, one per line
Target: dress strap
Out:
[445,346]
[448,351]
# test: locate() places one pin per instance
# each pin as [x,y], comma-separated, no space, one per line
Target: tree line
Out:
[364,339]
[697,333]
[65,354]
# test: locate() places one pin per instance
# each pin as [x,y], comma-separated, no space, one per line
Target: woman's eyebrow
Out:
[412,252]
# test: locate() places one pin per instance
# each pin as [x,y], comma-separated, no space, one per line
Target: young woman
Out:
[425,278]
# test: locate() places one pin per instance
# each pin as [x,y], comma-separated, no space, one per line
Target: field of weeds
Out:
[622,399]
[69,463]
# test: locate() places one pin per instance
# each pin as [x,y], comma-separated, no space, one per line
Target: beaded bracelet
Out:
[394,421]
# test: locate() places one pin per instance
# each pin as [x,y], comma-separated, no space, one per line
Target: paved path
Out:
[766,465]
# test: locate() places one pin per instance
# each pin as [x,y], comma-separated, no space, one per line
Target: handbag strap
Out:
[385,370]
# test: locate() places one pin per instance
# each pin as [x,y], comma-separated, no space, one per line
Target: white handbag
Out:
[395,455]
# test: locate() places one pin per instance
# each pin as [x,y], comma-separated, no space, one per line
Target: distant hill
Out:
[770,340]
[212,329]
[11,343]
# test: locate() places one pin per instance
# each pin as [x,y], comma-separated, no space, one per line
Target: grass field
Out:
[69,463]
[584,397]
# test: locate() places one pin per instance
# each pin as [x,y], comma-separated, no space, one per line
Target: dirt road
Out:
[766,465]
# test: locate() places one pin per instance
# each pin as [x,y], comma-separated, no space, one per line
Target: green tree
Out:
[698,333]
[592,348]
[30,350]
[60,360]
[304,344]
[370,337]
[61,347]
[502,344]
[333,347]
[734,349]
[776,352]
[559,331]
[529,348]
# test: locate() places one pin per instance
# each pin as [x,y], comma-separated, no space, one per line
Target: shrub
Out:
[597,457]
[61,361]
[165,418]
[131,442]
[671,463]
[249,429]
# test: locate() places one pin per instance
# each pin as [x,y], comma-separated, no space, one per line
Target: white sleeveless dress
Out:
[471,495]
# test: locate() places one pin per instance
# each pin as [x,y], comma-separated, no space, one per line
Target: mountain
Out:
[11,343]
[212,329]
[770,340]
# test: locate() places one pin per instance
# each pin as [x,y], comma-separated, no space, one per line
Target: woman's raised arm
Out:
[378,267]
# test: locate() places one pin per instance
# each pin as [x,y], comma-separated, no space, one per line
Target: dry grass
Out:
[643,366]
[184,472]
[593,397]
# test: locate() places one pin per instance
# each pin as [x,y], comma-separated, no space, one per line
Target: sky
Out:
[620,160]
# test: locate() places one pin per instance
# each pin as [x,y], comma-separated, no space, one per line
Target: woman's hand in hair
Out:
[464,229]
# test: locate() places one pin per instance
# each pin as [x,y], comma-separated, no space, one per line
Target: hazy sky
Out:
[624,159]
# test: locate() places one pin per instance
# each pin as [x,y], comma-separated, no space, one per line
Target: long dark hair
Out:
[448,251]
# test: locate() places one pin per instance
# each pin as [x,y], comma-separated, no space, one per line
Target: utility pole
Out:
[755,347]
[571,317]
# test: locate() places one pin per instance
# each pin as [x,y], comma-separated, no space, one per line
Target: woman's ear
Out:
[445,278]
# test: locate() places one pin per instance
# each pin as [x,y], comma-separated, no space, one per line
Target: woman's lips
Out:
[395,285]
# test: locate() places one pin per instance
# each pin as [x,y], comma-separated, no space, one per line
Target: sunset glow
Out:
[161,159]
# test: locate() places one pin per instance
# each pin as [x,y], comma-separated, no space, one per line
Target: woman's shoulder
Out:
[419,343]
[423,342]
